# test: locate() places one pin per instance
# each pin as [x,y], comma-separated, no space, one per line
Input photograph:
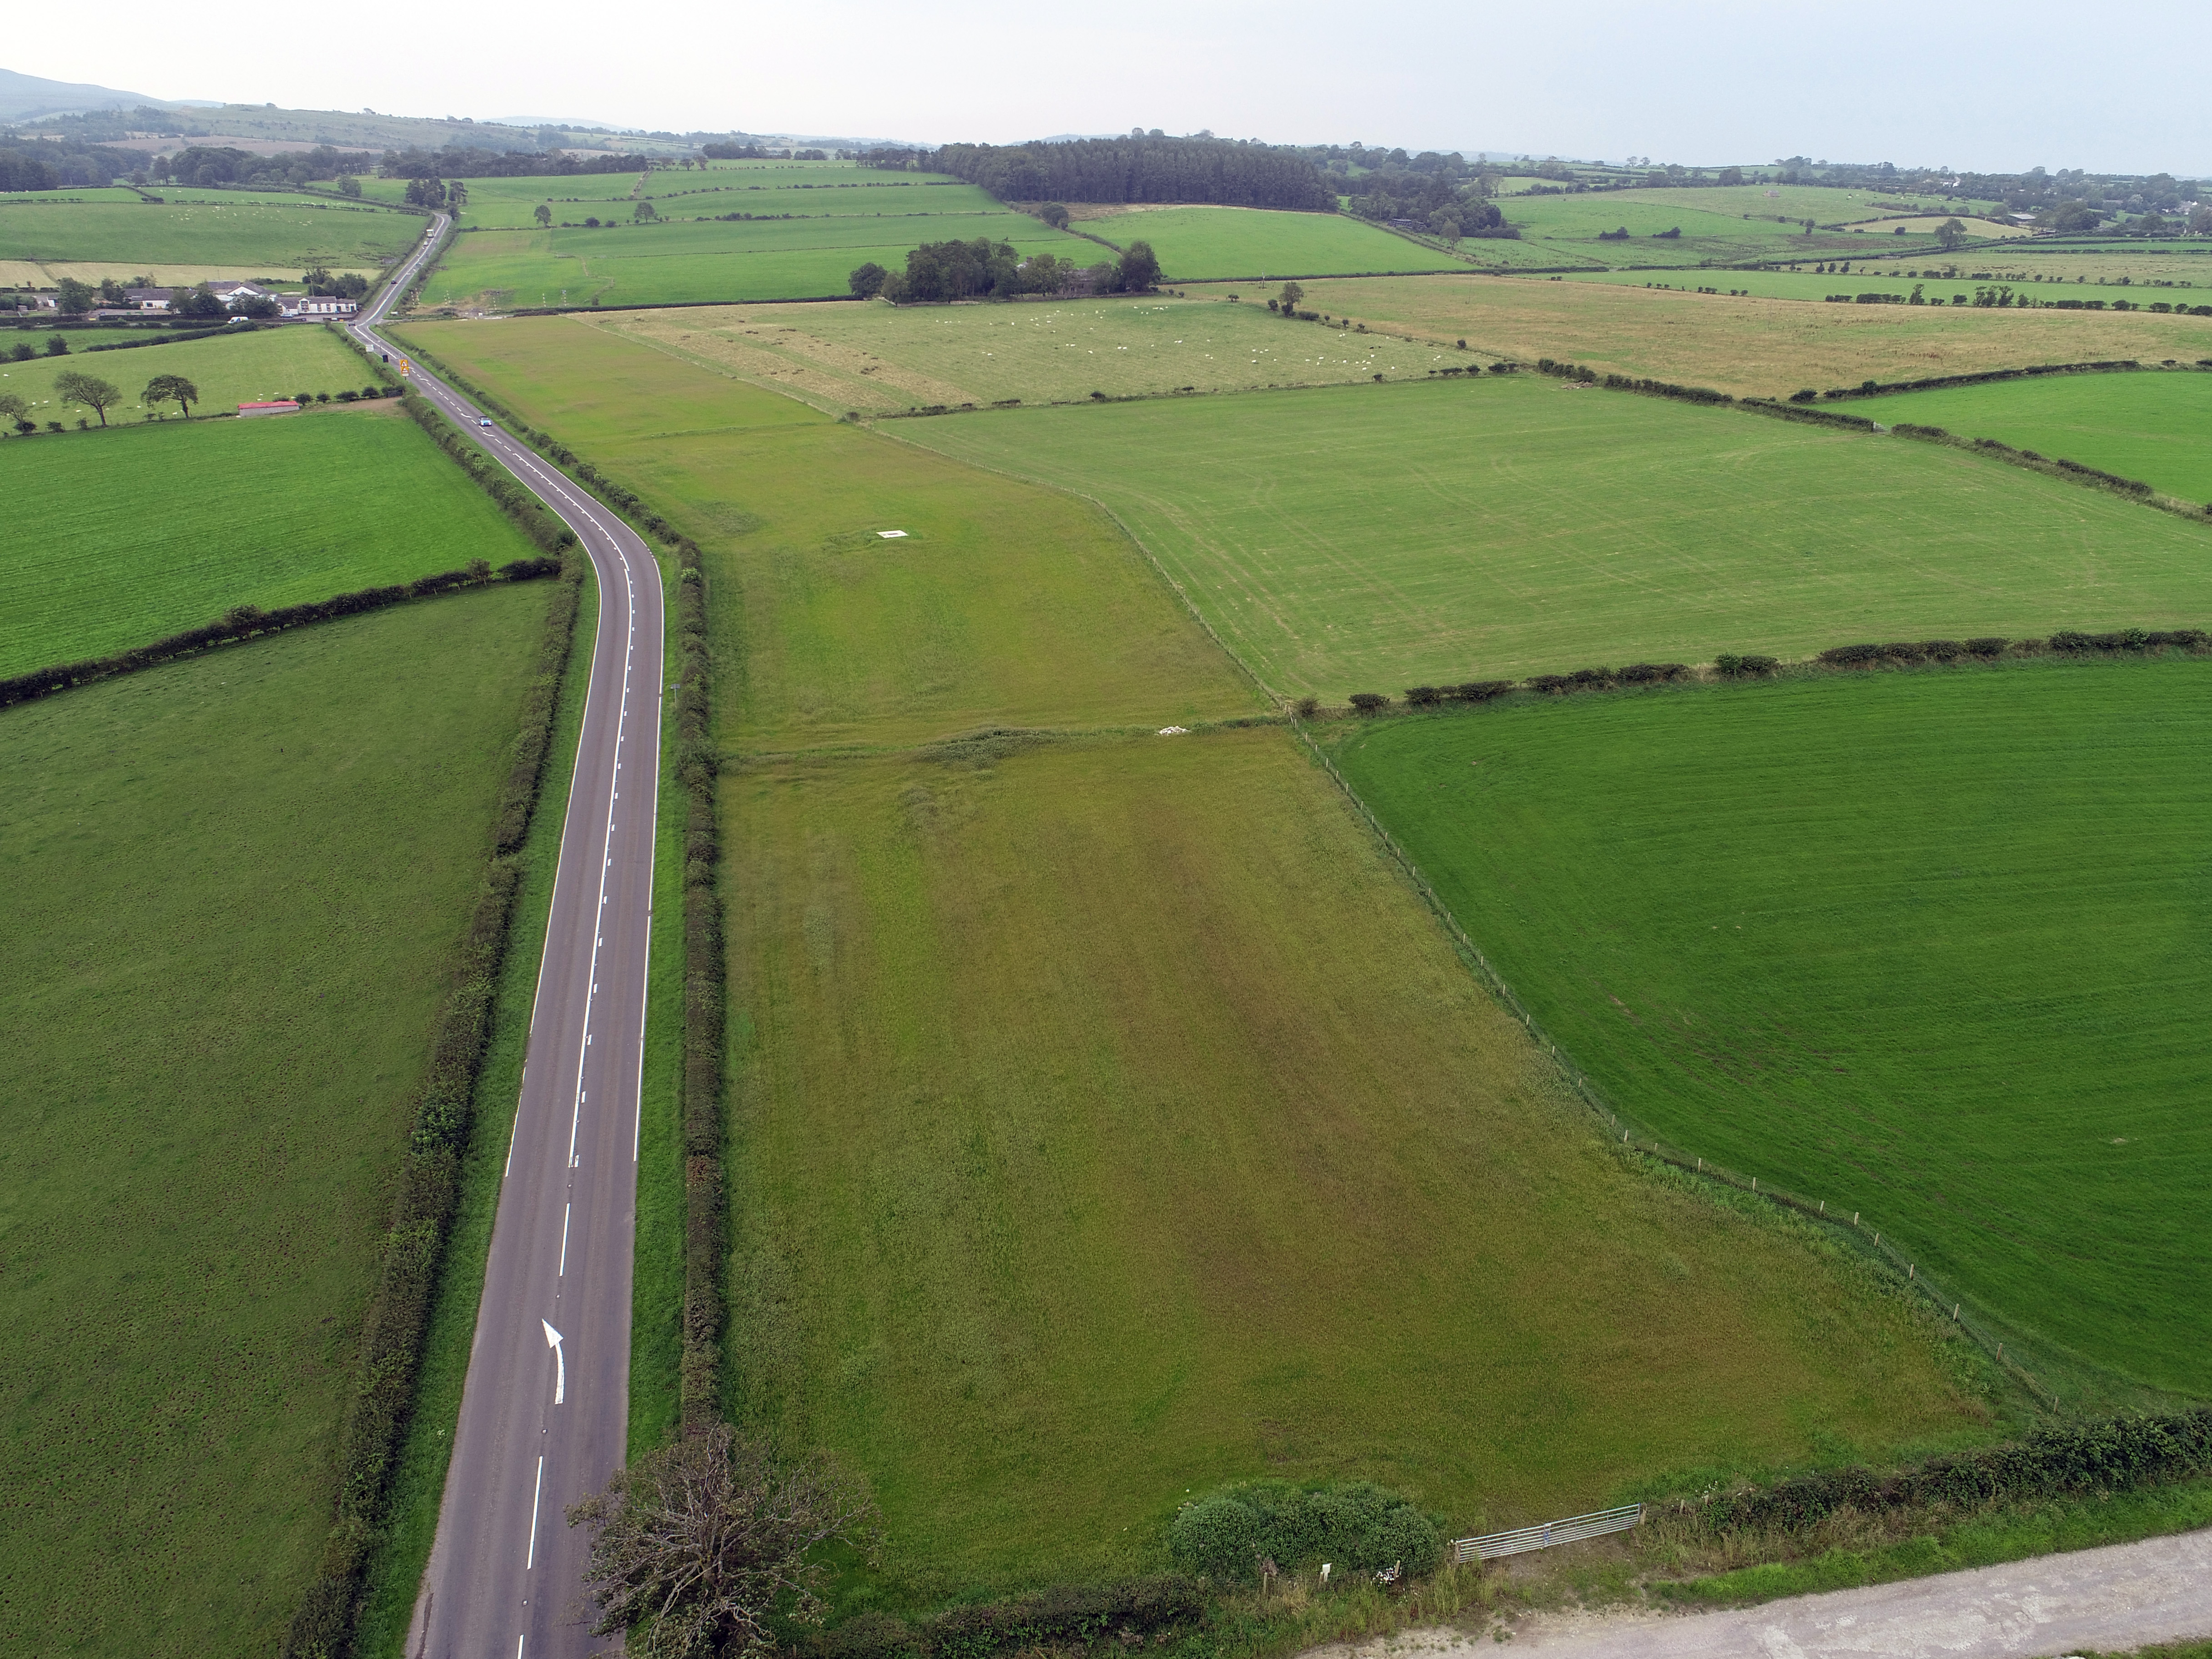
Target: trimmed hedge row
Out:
[1988,647]
[1731,664]
[1935,382]
[537,521]
[245,621]
[1126,1612]
[699,1390]
[429,1178]
[2108,1454]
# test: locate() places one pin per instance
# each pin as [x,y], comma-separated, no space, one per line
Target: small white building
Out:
[315,305]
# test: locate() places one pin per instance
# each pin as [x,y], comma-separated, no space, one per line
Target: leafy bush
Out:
[1423,696]
[1369,703]
[1733,664]
[1358,1526]
[1482,691]
[1987,645]
[1943,650]
[1552,683]
[1644,673]
[1065,1615]
[1851,656]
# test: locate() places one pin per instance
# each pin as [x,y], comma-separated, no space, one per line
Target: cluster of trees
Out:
[91,392]
[222,164]
[1142,167]
[459,161]
[983,269]
[738,152]
[1439,192]
[64,162]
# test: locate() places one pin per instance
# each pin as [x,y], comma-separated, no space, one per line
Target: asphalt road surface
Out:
[546,1406]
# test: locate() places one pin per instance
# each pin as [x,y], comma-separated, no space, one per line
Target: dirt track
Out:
[2124,1597]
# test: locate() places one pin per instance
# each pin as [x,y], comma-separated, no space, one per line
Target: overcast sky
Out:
[1965,86]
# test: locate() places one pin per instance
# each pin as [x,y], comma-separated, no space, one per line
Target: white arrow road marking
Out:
[560,1366]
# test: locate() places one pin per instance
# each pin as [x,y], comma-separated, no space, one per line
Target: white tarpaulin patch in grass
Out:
[1174,731]
[891,535]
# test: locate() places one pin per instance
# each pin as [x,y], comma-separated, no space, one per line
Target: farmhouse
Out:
[315,305]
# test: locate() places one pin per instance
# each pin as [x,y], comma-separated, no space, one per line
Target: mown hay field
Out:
[1749,347]
[1196,243]
[269,232]
[683,261]
[1923,946]
[1002,605]
[229,369]
[1105,1121]
[235,884]
[883,359]
[1371,538]
[2148,426]
[124,536]
[1952,280]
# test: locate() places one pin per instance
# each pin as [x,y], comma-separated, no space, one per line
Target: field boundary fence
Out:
[1951,1306]
[1494,1545]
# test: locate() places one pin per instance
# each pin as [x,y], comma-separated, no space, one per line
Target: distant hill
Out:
[554,121]
[25,97]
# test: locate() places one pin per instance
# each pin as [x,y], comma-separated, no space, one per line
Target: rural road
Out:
[2121,1597]
[545,1411]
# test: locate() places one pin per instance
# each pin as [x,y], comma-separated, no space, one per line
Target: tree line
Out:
[1138,168]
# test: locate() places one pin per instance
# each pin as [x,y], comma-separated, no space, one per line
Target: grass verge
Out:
[396,1564]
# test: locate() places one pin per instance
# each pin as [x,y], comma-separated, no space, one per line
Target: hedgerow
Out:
[245,622]
[1126,1612]
[699,1388]
[2115,1453]
[390,1352]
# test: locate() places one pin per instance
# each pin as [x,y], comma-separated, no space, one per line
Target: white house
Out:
[315,305]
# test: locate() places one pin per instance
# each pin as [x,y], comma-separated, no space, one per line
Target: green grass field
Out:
[1923,946]
[1197,243]
[229,369]
[2151,427]
[878,358]
[124,536]
[1106,1122]
[681,261]
[1752,348]
[1373,538]
[270,231]
[511,203]
[235,882]
[1110,1125]
[1718,226]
